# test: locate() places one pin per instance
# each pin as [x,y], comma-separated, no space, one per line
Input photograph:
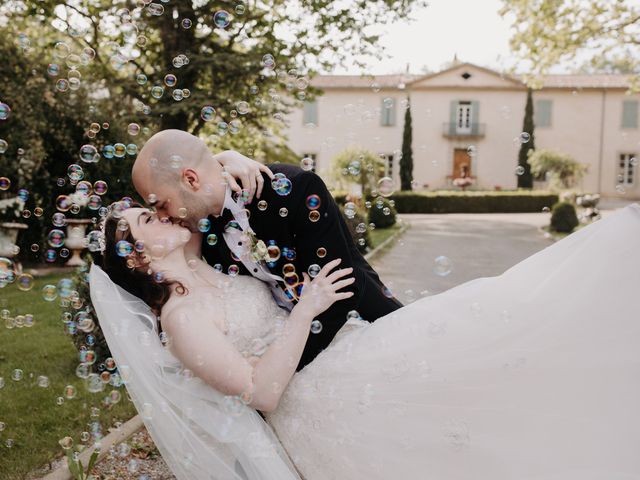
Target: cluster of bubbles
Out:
[65,55]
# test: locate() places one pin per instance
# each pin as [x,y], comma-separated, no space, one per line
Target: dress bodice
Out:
[253,318]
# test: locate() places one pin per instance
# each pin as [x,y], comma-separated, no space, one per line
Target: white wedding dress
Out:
[533,374]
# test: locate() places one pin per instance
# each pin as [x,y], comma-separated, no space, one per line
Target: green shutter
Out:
[310,112]
[453,112]
[475,117]
[630,114]
[388,114]
[542,113]
[392,114]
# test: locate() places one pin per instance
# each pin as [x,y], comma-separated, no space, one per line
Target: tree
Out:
[550,32]
[44,133]
[357,165]
[562,170]
[250,62]
[406,162]
[527,146]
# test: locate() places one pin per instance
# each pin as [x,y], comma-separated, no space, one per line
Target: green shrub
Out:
[514,201]
[382,213]
[362,240]
[563,217]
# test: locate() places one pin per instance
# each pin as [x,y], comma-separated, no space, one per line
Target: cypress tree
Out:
[406,162]
[526,180]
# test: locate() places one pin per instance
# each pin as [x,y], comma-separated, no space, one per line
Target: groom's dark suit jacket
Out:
[299,234]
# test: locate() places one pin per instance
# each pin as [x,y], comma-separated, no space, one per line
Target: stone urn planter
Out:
[8,236]
[75,241]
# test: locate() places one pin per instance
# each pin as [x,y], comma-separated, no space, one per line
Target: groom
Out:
[298,226]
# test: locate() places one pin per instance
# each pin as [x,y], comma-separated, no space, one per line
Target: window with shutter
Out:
[388,112]
[310,113]
[630,114]
[542,113]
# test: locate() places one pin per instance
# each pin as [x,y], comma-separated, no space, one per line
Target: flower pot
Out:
[8,237]
[76,241]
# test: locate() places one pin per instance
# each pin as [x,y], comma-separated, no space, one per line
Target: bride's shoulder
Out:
[180,309]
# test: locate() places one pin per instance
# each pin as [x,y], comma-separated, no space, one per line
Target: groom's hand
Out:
[245,171]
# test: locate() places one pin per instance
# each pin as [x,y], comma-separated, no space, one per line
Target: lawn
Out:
[32,417]
[379,235]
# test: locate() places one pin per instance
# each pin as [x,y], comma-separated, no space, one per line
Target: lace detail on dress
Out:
[253,318]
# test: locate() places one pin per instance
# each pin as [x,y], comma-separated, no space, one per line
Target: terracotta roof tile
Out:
[393,81]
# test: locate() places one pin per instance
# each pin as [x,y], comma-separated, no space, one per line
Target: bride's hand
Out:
[322,292]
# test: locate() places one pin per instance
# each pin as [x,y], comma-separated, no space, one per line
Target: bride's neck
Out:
[175,268]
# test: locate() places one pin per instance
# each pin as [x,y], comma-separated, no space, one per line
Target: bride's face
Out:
[159,237]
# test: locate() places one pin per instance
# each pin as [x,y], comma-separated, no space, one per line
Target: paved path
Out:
[478,245]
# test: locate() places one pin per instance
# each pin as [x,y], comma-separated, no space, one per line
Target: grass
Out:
[560,235]
[379,235]
[30,413]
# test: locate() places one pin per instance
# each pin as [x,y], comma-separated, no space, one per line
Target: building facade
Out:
[469,117]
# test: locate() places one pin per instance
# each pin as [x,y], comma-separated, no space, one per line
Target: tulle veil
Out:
[201,433]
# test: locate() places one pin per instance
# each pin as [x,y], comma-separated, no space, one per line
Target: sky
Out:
[472,29]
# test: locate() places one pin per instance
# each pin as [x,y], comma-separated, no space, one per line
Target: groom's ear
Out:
[190,176]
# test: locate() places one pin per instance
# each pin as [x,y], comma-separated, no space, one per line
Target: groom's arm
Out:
[330,233]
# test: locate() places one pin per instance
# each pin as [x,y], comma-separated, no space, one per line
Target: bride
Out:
[533,374]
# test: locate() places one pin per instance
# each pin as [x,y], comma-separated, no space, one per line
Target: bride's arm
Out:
[204,349]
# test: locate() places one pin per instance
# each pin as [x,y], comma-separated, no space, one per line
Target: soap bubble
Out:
[56,238]
[61,50]
[354,168]
[204,224]
[100,187]
[313,202]
[119,150]
[243,107]
[385,186]
[3,145]
[212,239]
[49,293]
[133,129]
[222,19]
[307,163]
[524,137]
[89,154]
[5,183]
[350,210]
[75,172]
[62,85]
[170,80]
[207,113]
[5,111]
[520,170]
[442,266]
[155,9]
[157,91]
[316,327]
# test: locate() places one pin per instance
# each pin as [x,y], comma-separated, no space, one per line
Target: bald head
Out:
[164,157]
[176,171]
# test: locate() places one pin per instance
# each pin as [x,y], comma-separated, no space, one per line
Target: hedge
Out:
[514,201]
